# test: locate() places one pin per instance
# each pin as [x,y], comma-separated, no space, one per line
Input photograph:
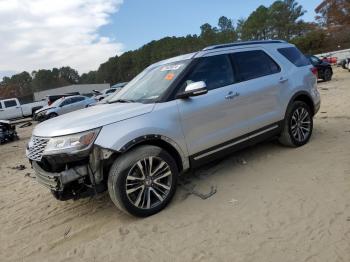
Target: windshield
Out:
[150,84]
[57,102]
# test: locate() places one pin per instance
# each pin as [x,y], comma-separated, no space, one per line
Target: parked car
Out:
[345,63]
[324,69]
[105,93]
[62,106]
[7,132]
[174,116]
[12,109]
[52,98]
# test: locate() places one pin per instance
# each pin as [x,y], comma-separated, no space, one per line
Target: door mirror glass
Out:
[194,89]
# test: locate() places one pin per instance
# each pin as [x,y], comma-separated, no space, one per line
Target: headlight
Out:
[71,144]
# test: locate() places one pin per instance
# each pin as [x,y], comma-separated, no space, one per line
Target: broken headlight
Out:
[71,144]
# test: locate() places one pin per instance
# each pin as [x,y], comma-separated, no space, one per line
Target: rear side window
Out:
[295,56]
[215,71]
[254,64]
[0,105]
[10,103]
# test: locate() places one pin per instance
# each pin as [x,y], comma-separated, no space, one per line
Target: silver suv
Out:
[175,115]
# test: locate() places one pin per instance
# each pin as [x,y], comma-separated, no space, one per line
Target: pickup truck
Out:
[12,109]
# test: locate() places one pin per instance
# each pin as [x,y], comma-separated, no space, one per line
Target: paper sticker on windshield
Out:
[170,67]
[169,76]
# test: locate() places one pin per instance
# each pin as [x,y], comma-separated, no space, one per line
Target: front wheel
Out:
[143,181]
[298,125]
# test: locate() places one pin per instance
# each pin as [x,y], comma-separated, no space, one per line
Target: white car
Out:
[105,93]
[62,106]
[12,109]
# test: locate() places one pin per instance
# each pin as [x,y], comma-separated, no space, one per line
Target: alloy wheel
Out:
[148,182]
[301,124]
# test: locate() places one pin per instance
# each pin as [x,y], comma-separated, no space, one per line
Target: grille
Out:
[36,148]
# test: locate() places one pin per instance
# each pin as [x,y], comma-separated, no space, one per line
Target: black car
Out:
[324,69]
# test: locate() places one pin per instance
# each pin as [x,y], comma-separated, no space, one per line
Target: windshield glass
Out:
[150,84]
[57,102]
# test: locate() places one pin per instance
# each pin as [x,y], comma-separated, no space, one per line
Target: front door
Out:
[208,120]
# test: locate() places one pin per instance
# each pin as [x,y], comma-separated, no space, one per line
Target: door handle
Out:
[231,95]
[282,79]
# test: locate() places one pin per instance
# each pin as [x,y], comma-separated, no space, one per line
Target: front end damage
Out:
[74,176]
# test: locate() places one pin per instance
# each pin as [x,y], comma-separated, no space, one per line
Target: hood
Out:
[44,108]
[90,118]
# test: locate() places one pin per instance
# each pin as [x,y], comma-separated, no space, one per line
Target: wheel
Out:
[327,75]
[143,181]
[52,115]
[298,125]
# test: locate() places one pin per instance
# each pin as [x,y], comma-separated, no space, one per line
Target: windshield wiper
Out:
[121,101]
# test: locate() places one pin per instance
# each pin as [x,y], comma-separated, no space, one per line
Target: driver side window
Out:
[215,71]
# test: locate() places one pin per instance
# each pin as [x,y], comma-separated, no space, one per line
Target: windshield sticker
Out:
[169,76]
[170,67]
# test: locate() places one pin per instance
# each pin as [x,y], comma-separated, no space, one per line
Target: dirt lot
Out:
[272,204]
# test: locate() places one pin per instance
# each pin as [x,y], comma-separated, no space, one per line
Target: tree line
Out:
[281,20]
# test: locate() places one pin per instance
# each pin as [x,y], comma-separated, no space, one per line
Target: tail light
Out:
[314,71]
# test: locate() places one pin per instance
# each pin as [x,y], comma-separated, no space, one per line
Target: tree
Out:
[225,24]
[334,13]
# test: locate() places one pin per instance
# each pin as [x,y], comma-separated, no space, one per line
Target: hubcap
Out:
[301,124]
[148,182]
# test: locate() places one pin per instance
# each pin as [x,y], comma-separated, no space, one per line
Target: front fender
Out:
[162,123]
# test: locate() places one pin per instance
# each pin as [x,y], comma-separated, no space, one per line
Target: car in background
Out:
[62,106]
[100,95]
[324,69]
[12,109]
[52,98]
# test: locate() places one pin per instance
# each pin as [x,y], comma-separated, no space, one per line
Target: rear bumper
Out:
[57,181]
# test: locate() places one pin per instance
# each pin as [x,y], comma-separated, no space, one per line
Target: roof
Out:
[264,42]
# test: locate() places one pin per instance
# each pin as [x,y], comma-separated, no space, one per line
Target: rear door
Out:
[260,81]
[12,109]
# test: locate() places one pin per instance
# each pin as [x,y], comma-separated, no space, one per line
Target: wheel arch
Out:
[304,97]
[163,142]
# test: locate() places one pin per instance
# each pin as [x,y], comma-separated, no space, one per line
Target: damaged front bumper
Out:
[57,181]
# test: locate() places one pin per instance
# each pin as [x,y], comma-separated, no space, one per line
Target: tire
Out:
[142,199]
[52,115]
[327,75]
[295,134]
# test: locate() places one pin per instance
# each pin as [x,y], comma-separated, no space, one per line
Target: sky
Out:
[42,34]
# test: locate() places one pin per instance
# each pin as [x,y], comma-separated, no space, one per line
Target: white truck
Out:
[12,109]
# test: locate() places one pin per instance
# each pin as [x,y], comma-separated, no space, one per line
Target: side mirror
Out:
[194,89]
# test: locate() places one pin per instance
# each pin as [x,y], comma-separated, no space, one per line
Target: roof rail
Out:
[243,43]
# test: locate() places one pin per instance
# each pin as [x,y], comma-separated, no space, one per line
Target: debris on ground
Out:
[192,191]
[233,201]
[19,167]
[67,231]
[26,124]
[7,132]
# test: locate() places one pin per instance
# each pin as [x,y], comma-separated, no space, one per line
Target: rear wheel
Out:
[327,75]
[143,181]
[298,125]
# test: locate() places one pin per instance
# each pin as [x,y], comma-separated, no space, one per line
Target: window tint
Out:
[254,64]
[295,56]
[10,103]
[215,71]
[67,102]
[0,105]
[110,91]
[315,60]
[78,99]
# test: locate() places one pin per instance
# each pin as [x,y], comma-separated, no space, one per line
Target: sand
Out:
[272,204]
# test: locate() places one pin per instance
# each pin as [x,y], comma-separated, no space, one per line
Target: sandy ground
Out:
[272,204]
